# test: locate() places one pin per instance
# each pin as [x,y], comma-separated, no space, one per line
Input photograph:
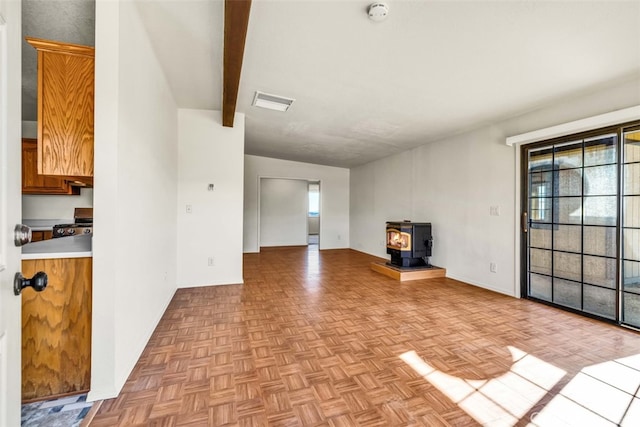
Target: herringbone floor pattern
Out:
[315,338]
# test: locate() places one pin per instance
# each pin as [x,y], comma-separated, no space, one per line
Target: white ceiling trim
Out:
[582,125]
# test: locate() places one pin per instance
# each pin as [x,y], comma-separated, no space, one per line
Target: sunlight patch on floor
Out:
[502,400]
[605,394]
[313,282]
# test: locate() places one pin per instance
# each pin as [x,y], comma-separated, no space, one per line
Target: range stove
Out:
[83,224]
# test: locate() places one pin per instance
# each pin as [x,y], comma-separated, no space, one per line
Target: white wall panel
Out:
[136,175]
[210,154]
[283,212]
[314,225]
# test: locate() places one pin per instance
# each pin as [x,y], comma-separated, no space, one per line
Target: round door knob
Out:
[38,282]
[21,235]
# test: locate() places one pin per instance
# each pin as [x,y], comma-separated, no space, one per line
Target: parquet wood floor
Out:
[316,338]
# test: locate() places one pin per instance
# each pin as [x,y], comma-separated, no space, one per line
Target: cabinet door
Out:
[32,183]
[65,108]
[56,329]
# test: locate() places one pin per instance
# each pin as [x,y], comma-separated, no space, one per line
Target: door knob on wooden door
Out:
[38,282]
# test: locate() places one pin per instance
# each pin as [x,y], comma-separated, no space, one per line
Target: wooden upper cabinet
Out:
[65,108]
[32,183]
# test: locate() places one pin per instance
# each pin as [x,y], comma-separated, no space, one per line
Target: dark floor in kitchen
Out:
[65,412]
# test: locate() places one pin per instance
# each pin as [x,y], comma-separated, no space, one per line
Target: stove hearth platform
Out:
[404,274]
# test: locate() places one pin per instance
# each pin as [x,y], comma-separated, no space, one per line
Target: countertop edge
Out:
[45,224]
[57,255]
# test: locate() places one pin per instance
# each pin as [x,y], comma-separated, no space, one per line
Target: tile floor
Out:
[65,412]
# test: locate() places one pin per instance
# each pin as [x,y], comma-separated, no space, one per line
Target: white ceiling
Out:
[365,89]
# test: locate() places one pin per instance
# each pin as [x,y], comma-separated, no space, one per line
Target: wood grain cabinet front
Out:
[32,182]
[56,329]
[65,109]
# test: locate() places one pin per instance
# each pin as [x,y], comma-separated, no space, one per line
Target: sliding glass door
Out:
[583,223]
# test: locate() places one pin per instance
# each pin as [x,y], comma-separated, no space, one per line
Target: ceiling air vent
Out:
[272,102]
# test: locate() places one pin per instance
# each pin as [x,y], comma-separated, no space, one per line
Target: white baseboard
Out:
[480,285]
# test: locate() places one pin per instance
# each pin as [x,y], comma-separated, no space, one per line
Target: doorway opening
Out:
[313,227]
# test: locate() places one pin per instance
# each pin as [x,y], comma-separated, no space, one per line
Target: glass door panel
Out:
[567,293]
[600,151]
[631,229]
[572,233]
[599,301]
[540,286]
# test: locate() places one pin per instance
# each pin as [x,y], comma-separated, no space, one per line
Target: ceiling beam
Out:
[236,22]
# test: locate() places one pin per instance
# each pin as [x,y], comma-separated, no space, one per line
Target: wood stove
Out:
[409,243]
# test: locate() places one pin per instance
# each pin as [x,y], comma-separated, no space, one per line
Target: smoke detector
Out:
[378,11]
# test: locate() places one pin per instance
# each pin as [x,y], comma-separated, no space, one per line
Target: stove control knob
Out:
[87,231]
[71,231]
[60,231]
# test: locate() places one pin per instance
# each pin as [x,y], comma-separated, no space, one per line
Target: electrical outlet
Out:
[493,267]
[339,237]
[189,209]
[210,262]
[494,211]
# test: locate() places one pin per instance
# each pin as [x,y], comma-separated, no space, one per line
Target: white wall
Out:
[51,206]
[136,175]
[453,183]
[209,154]
[283,212]
[55,207]
[334,198]
[10,148]
[314,225]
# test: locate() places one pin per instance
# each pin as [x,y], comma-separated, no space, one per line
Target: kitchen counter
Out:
[63,247]
[45,224]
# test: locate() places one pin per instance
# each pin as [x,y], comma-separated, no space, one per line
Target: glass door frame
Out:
[525,219]
[622,258]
